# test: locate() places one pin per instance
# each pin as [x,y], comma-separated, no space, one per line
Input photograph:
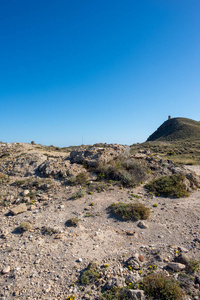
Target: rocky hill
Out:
[177,129]
[97,222]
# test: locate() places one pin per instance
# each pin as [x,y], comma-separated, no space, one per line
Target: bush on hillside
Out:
[159,286]
[128,171]
[168,186]
[130,211]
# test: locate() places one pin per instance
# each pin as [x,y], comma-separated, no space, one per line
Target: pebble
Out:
[6,270]
[142,225]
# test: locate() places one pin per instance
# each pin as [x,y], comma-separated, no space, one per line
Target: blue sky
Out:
[96,70]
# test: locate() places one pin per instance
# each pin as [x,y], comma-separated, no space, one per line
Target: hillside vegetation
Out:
[177,129]
[177,139]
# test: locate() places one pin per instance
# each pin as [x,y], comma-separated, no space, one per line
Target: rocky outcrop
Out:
[60,168]
[94,155]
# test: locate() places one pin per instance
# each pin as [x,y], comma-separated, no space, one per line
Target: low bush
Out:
[130,211]
[25,226]
[159,286]
[4,178]
[90,275]
[80,179]
[168,186]
[32,183]
[79,194]
[128,172]
[49,230]
[192,266]
[73,222]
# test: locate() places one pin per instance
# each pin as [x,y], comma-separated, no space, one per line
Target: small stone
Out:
[27,199]
[142,225]
[116,281]
[160,236]
[130,232]
[197,279]
[141,258]
[133,278]
[37,261]
[183,258]
[133,262]
[25,192]
[182,249]
[165,259]
[176,266]
[43,198]
[80,260]
[6,270]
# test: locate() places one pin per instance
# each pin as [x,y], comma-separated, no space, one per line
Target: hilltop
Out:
[177,129]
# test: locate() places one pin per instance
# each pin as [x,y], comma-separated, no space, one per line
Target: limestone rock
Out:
[25,193]
[116,281]
[132,278]
[133,262]
[19,209]
[95,154]
[6,270]
[142,225]
[183,259]
[136,295]
[176,266]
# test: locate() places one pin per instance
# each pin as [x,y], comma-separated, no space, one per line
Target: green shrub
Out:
[32,195]
[25,226]
[79,179]
[128,171]
[4,178]
[73,222]
[192,266]
[19,182]
[32,183]
[90,275]
[168,186]
[79,194]
[49,230]
[131,211]
[161,287]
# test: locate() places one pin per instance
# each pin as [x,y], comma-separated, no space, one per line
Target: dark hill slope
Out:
[177,129]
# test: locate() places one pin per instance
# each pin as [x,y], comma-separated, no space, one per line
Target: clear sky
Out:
[96,70]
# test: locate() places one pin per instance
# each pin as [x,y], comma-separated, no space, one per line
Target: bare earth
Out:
[44,266]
